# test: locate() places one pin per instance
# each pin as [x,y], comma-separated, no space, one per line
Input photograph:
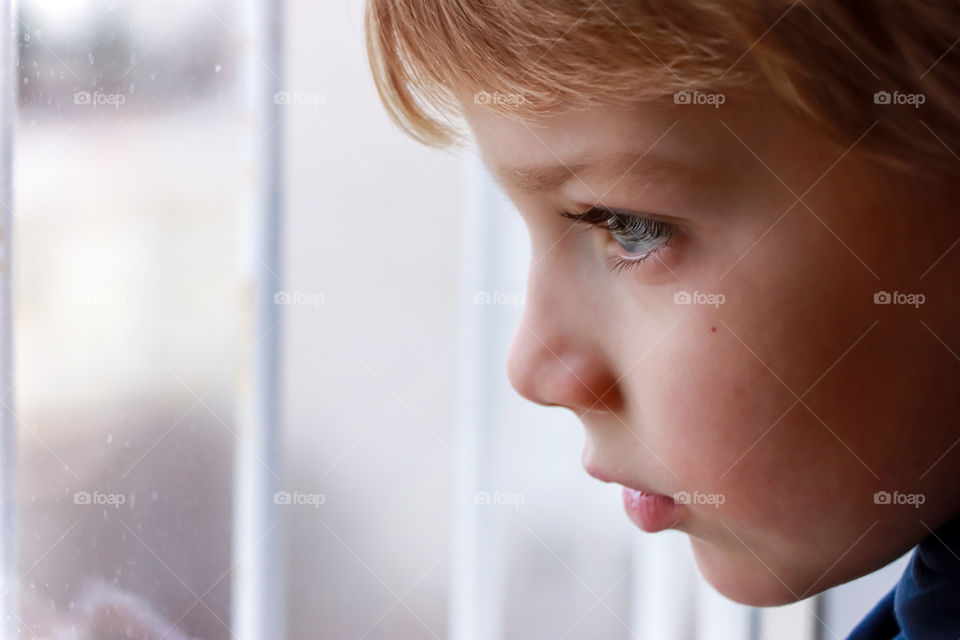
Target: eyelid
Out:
[593,216]
[598,215]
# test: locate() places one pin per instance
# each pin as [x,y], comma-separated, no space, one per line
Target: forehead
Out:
[540,156]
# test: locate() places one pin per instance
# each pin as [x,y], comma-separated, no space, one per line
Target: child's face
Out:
[777,387]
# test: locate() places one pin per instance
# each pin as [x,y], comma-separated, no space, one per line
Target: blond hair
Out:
[830,61]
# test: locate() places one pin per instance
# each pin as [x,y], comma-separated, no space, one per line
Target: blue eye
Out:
[637,235]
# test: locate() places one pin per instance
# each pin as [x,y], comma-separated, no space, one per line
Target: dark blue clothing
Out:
[925,603]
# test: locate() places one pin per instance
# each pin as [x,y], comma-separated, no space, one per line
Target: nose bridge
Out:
[557,357]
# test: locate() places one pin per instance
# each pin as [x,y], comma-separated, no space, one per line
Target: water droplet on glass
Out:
[109,438]
[26,37]
[26,80]
[217,68]
[90,58]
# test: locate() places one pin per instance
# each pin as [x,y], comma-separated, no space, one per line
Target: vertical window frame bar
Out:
[9,524]
[478,561]
[258,584]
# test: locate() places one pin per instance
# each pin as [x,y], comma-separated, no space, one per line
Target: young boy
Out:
[744,276]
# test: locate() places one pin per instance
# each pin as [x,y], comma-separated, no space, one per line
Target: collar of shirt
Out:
[925,603]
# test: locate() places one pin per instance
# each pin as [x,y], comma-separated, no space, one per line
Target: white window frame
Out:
[258,584]
[9,569]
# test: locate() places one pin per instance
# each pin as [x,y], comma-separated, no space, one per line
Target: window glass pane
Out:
[372,226]
[129,176]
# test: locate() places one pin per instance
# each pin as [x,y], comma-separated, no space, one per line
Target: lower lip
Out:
[651,512]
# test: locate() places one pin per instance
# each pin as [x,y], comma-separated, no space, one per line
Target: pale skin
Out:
[704,397]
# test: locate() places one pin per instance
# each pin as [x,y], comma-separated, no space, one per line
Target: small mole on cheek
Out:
[714,329]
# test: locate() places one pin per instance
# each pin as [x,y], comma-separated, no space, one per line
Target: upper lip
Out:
[605,475]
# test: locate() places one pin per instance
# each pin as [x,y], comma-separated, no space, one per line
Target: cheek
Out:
[720,409]
[724,424]
[725,398]
[711,403]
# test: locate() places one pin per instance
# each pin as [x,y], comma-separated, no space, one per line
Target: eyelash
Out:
[615,222]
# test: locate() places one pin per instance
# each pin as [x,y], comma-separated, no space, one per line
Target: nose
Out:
[557,357]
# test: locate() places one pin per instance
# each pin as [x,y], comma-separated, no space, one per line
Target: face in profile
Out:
[747,316]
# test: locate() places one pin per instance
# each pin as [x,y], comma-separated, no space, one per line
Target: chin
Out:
[742,578]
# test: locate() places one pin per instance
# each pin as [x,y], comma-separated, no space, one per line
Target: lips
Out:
[651,512]
[647,509]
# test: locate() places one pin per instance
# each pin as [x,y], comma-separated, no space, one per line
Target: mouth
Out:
[649,511]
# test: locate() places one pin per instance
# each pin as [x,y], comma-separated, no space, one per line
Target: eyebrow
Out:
[537,179]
